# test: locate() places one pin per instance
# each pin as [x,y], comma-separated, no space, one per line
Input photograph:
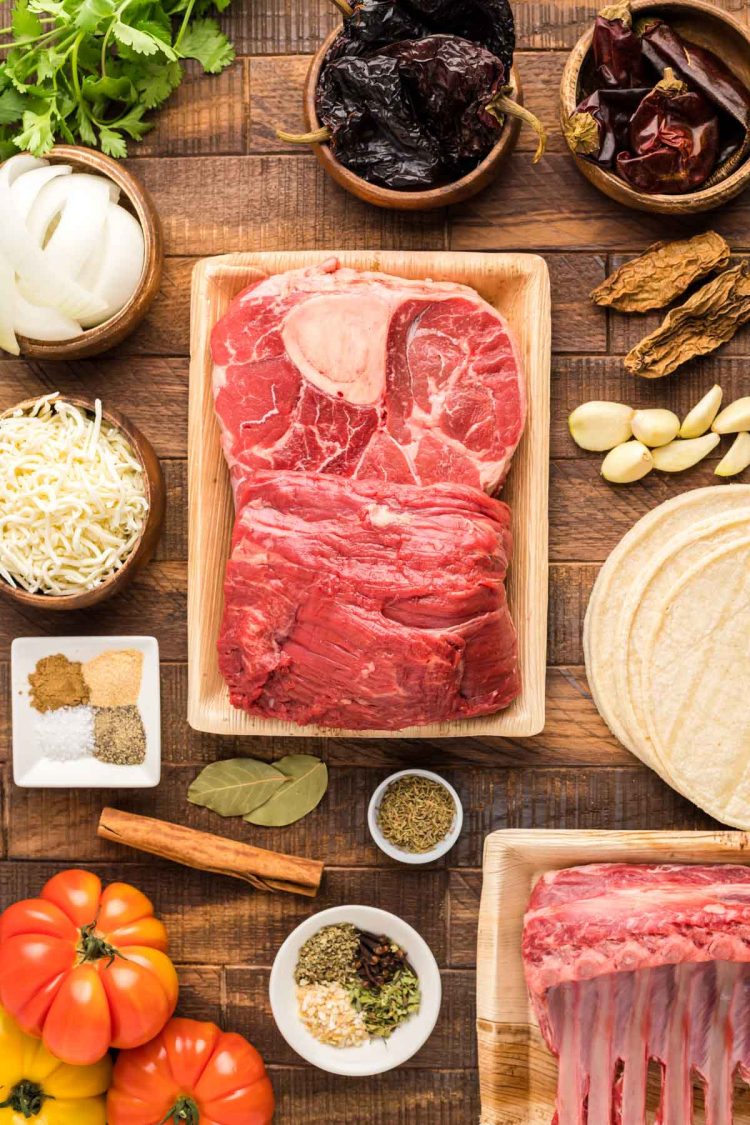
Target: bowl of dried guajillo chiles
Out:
[655,105]
[416,106]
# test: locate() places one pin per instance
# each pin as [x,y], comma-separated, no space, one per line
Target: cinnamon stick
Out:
[264,870]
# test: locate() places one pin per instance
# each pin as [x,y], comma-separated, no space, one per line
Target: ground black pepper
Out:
[119,735]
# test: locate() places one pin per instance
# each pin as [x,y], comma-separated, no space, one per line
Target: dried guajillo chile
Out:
[674,140]
[703,323]
[698,66]
[415,114]
[599,128]
[371,24]
[664,272]
[617,50]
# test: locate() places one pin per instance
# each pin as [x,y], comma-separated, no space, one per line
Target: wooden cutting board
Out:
[517,1073]
[517,285]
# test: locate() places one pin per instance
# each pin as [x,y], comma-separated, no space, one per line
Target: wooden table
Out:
[222,182]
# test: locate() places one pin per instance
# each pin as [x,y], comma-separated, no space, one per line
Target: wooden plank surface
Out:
[224,183]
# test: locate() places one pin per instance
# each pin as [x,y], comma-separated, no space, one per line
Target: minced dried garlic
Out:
[328,1013]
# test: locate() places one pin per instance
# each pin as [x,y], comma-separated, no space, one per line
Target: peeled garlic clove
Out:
[734,418]
[597,426]
[683,454]
[627,462]
[702,415]
[737,459]
[655,427]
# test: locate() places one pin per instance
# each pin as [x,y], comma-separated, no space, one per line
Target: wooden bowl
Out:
[708,26]
[144,548]
[136,199]
[431,198]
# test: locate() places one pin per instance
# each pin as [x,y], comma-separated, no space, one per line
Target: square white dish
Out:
[30,769]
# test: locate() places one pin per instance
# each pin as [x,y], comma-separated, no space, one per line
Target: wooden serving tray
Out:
[517,1073]
[516,284]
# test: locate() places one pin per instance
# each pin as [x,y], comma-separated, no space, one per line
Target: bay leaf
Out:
[235,786]
[307,782]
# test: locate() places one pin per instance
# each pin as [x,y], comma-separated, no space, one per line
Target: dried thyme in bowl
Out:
[416,813]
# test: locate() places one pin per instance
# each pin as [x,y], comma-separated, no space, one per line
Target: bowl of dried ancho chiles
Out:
[415,104]
[655,105]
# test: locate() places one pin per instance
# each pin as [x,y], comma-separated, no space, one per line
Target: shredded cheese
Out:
[72,498]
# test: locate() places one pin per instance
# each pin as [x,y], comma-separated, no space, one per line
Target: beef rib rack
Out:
[369,376]
[367,605]
[632,964]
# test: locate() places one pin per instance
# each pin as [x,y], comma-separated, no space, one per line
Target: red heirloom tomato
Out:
[86,969]
[192,1073]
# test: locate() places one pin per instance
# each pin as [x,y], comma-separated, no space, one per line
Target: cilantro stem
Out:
[37,42]
[185,22]
[74,63]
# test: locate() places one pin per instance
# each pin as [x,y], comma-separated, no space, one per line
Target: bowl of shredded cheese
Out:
[81,502]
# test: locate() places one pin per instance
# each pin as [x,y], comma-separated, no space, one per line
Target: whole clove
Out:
[378,960]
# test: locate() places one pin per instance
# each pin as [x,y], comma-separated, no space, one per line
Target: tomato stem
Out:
[93,947]
[184,1109]
[27,1098]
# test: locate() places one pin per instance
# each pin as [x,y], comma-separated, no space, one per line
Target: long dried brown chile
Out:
[704,70]
[617,50]
[599,128]
[674,140]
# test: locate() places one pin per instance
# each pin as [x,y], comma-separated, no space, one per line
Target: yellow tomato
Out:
[38,1089]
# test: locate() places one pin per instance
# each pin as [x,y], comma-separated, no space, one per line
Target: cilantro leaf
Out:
[26,24]
[91,70]
[92,12]
[12,106]
[112,143]
[205,42]
[37,136]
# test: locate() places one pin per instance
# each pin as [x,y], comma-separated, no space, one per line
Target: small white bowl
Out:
[376,1055]
[390,849]
[30,769]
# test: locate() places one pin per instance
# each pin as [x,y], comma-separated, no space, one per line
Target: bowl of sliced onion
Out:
[82,502]
[81,254]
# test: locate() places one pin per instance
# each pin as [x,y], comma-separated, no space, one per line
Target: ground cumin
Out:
[57,682]
[114,678]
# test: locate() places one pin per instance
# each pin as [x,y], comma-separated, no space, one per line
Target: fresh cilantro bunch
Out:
[88,71]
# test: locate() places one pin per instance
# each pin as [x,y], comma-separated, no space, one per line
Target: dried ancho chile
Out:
[413,94]
[674,138]
[372,24]
[414,114]
[617,50]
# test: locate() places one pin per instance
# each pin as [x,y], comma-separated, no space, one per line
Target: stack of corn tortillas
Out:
[667,644]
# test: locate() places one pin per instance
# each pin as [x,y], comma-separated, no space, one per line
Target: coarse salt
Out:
[65,734]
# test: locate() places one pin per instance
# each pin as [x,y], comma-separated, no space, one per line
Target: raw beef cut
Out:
[631,964]
[366,604]
[368,376]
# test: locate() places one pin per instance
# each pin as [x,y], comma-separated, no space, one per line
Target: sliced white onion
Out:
[67,220]
[37,323]
[27,187]
[122,263]
[89,272]
[37,277]
[8,341]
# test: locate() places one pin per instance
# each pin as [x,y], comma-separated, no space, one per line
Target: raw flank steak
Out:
[360,604]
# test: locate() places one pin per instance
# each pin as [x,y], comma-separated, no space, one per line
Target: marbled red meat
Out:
[367,376]
[629,964]
[366,604]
